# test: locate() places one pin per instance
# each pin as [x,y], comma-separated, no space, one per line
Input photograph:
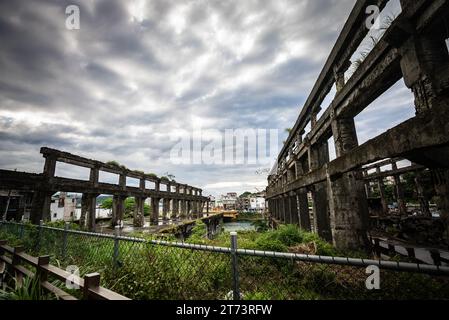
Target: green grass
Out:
[146,271]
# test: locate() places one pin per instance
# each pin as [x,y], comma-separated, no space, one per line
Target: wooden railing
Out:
[13,258]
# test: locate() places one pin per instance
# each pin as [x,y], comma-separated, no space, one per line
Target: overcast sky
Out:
[140,73]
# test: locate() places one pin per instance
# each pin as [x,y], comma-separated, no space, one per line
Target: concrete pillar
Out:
[440,179]
[281,209]
[88,211]
[303,206]
[189,209]
[399,193]
[165,208]
[139,212]
[318,156]
[422,197]
[40,209]
[294,212]
[154,220]
[425,67]
[118,209]
[287,206]
[183,209]
[383,197]
[195,209]
[347,197]
[94,176]
[175,209]
[122,181]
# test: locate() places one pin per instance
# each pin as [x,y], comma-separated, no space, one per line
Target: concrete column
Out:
[49,167]
[88,211]
[294,212]
[318,156]
[155,211]
[193,208]
[425,67]
[287,206]
[175,209]
[383,197]
[440,179]
[165,208]
[118,209]
[281,209]
[94,176]
[399,193]
[303,206]
[92,212]
[40,209]
[122,181]
[347,197]
[423,200]
[339,75]
[182,209]
[189,209]
[139,212]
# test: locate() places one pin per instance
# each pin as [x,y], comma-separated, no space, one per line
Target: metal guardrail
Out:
[399,266]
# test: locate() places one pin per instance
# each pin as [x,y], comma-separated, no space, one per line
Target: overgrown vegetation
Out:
[29,289]
[153,271]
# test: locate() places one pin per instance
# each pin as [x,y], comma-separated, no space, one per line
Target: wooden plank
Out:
[27,258]
[63,275]
[6,259]
[57,291]
[106,294]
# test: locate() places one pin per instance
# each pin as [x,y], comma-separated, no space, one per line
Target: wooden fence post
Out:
[436,257]
[91,281]
[16,262]
[41,273]
[411,253]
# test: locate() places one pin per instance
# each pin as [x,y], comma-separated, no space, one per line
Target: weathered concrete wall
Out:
[414,49]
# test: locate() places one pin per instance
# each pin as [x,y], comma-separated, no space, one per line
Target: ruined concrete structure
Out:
[179,200]
[413,49]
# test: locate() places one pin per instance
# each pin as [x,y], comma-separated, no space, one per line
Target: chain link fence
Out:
[153,269]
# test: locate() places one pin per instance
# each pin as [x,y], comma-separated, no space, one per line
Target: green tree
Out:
[245,195]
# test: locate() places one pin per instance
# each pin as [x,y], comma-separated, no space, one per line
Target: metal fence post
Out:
[64,239]
[116,246]
[235,268]
[39,236]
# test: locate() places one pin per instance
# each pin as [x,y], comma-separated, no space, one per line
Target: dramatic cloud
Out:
[140,74]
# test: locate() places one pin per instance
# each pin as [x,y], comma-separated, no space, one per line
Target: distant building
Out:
[67,207]
[212,203]
[63,207]
[227,202]
[257,202]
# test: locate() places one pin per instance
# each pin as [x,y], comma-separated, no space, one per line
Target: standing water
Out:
[238,226]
